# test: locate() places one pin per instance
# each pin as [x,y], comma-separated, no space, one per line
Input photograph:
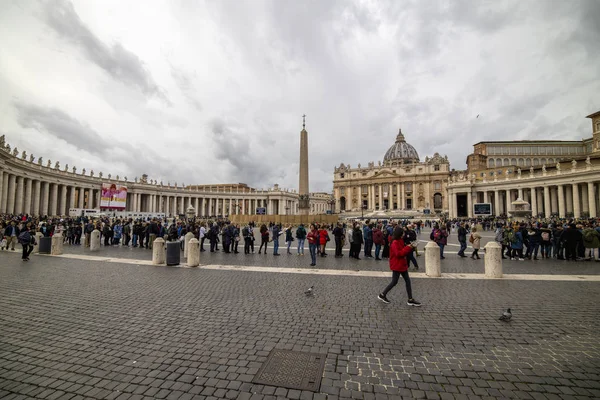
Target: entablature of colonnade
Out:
[20,164]
[576,174]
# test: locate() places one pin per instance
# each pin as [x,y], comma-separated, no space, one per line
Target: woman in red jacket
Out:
[399,266]
[323,239]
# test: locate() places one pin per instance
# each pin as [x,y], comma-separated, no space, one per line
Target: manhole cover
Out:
[292,370]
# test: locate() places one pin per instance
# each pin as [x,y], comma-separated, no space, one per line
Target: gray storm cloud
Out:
[117,61]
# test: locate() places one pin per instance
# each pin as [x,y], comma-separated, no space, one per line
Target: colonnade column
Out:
[10,206]
[72,198]
[4,199]
[28,189]
[561,201]
[592,199]
[19,196]
[45,195]
[53,199]
[398,198]
[496,202]
[576,202]
[36,198]
[81,197]
[585,199]
[380,197]
[533,201]
[547,211]
[508,201]
[64,210]
[470,204]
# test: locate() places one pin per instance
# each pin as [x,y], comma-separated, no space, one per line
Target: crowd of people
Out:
[532,239]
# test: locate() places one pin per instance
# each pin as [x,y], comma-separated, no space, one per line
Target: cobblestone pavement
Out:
[72,329]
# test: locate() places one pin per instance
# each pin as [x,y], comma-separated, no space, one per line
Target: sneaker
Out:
[413,302]
[383,298]
[521,259]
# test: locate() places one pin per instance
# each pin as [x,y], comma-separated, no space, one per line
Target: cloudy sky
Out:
[213,92]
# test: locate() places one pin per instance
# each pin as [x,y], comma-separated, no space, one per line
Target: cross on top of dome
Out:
[400,137]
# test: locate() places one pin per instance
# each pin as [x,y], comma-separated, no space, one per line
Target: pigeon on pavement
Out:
[506,316]
[309,291]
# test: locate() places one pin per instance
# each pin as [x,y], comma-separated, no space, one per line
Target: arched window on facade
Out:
[491,163]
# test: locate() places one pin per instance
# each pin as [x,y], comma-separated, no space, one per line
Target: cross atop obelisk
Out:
[304,194]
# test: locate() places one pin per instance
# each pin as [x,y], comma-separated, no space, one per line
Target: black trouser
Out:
[571,251]
[338,246]
[514,253]
[235,245]
[395,279]
[475,253]
[126,239]
[106,239]
[213,244]
[202,244]
[247,241]
[27,249]
[506,250]
[356,247]
[263,241]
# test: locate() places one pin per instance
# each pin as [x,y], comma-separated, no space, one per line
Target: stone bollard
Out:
[432,260]
[159,255]
[57,244]
[95,240]
[36,247]
[186,241]
[193,259]
[493,260]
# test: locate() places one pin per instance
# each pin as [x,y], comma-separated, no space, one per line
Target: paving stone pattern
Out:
[72,329]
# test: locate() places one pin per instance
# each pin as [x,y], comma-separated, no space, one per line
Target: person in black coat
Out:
[570,237]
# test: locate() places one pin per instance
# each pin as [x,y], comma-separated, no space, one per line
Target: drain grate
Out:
[292,370]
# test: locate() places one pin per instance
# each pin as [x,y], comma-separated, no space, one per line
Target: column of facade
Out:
[45,198]
[547,210]
[28,196]
[497,210]
[10,208]
[53,198]
[4,198]
[540,200]
[520,195]
[533,201]
[486,199]
[181,205]
[81,197]
[380,197]
[64,210]
[508,201]
[585,199]
[561,201]
[72,198]
[591,199]
[36,198]
[19,195]
[469,204]
[569,196]
[576,201]
[1,191]
[554,199]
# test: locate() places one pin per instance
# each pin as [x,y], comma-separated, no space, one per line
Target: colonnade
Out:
[21,194]
[577,199]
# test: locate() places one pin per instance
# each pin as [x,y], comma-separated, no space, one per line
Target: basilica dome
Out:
[401,151]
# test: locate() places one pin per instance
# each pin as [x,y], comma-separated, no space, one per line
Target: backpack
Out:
[245,232]
[512,237]
[545,236]
[471,238]
[24,237]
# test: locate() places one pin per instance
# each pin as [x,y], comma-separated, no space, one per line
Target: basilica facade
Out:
[402,182]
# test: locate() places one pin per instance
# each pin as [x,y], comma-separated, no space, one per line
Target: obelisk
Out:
[304,195]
